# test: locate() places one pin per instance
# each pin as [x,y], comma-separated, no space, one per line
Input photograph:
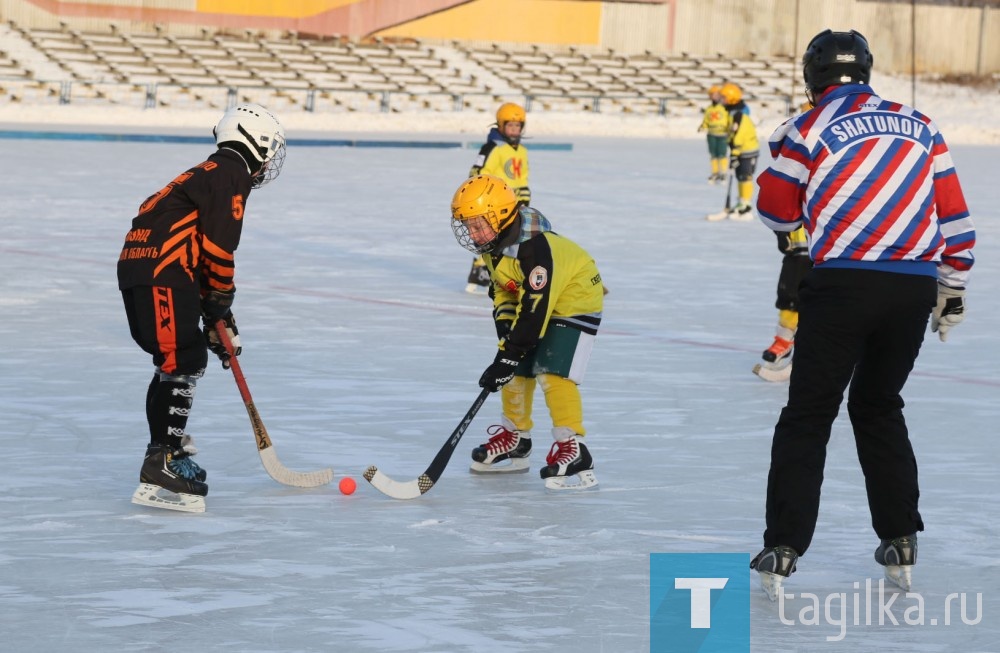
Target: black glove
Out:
[216,305]
[500,371]
[216,346]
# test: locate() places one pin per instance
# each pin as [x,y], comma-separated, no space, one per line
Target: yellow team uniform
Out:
[743,144]
[549,290]
[717,121]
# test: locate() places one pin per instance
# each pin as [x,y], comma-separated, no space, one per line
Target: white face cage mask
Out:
[271,168]
[255,128]
[475,234]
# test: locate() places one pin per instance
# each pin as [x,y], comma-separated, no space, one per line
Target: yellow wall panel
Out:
[561,22]
[276,8]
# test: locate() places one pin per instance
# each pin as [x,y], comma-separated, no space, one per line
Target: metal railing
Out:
[159,94]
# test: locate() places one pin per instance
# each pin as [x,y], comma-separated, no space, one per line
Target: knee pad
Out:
[562,397]
[517,398]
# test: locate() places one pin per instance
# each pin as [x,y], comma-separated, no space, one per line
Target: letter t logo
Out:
[701,597]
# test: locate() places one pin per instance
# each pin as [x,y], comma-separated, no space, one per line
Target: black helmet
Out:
[834,58]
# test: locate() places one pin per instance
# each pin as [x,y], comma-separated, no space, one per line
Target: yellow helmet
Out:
[510,112]
[715,88]
[731,93]
[483,207]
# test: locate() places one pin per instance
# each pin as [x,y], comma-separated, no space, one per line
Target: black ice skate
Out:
[774,564]
[479,278]
[898,557]
[570,466]
[168,480]
[507,451]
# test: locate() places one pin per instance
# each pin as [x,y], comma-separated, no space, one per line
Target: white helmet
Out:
[256,134]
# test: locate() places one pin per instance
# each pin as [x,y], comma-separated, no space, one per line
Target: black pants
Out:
[865,329]
[166,323]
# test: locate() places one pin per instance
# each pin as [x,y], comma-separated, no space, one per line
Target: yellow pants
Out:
[562,397]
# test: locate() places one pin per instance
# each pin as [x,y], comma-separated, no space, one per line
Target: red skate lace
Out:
[779,346]
[562,452]
[502,439]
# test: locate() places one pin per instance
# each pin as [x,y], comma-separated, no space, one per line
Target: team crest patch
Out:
[511,285]
[538,278]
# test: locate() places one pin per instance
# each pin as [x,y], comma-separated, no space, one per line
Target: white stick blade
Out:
[397,489]
[286,476]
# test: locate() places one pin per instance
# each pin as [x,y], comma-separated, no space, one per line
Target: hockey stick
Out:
[722,215]
[423,483]
[268,457]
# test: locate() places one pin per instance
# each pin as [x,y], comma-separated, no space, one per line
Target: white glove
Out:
[950,310]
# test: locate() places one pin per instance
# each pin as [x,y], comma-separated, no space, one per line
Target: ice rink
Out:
[361,348]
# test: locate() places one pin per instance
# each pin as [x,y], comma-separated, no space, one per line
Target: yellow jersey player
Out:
[502,156]
[547,303]
[716,121]
[743,149]
[777,359]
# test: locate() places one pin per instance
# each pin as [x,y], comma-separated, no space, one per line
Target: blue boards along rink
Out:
[361,348]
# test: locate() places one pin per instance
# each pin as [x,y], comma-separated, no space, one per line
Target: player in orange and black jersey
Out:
[175,273]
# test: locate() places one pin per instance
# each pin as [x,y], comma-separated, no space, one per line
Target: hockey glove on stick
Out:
[501,371]
[216,346]
[950,310]
[216,305]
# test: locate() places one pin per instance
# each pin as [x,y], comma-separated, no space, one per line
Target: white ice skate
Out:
[769,372]
[777,360]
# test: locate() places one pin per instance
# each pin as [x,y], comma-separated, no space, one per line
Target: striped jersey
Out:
[187,232]
[874,185]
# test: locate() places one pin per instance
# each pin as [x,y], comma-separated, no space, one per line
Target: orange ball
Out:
[347,485]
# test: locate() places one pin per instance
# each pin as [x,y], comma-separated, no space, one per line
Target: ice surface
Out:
[360,347]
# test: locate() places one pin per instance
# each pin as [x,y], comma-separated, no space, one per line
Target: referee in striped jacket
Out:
[891,238]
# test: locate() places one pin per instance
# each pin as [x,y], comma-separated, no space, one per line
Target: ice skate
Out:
[742,213]
[168,480]
[187,444]
[570,466]
[898,557]
[479,278]
[777,363]
[506,452]
[774,565]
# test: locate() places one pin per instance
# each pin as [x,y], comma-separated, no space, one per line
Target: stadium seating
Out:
[214,70]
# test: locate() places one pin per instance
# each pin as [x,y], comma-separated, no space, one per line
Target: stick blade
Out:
[285,476]
[396,489]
